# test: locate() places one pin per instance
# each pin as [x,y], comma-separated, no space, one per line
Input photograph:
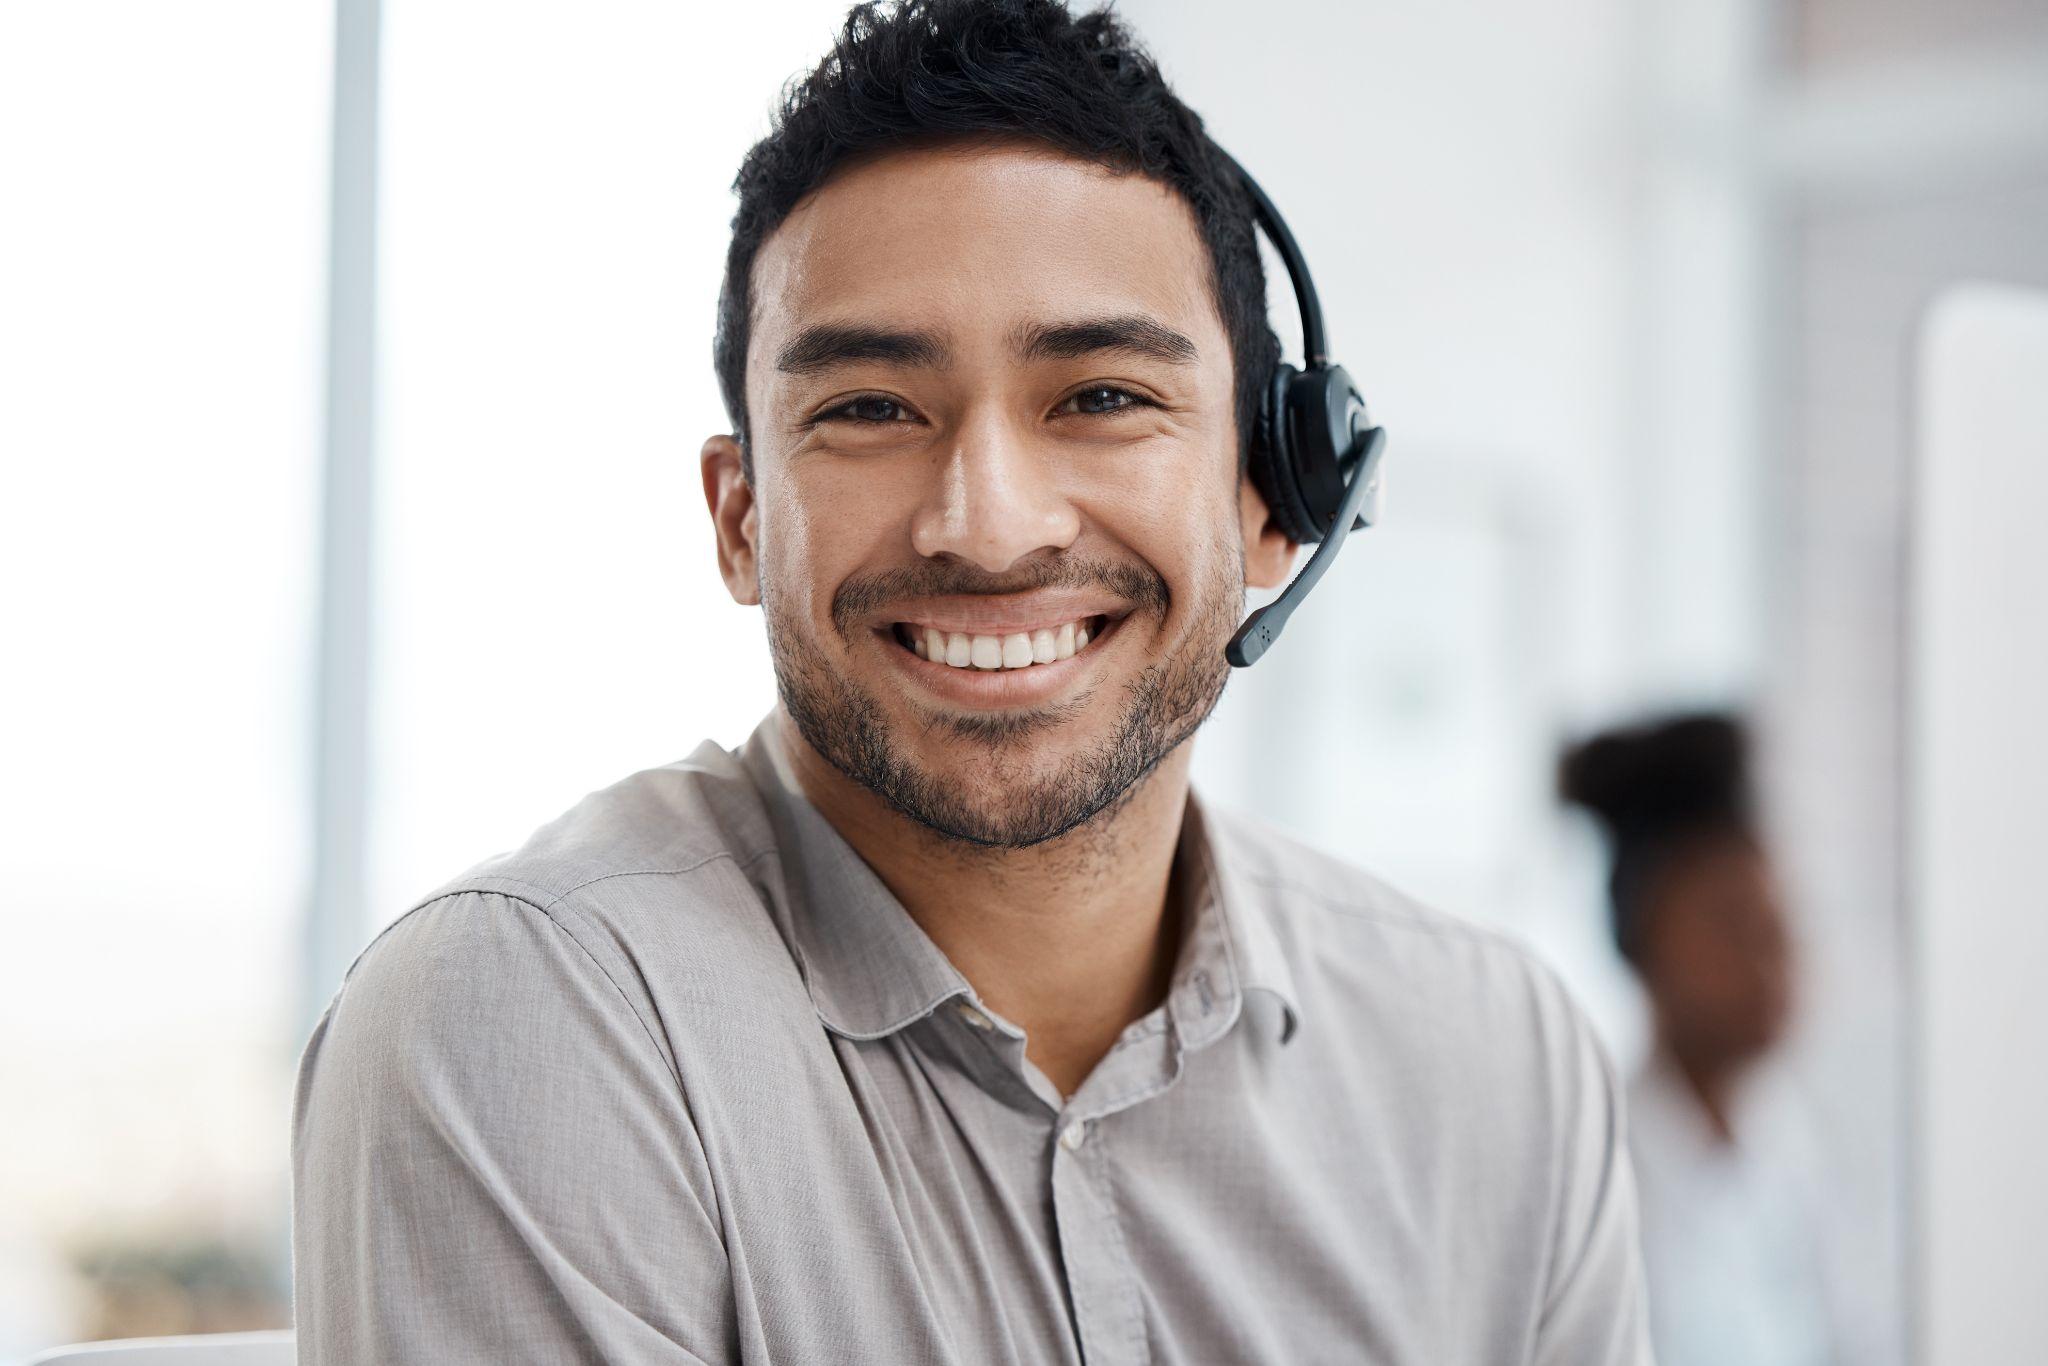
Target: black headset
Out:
[1315,454]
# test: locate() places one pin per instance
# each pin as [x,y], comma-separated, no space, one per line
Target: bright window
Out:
[163,175]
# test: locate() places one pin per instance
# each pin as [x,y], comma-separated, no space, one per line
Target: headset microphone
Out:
[1315,455]
[1263,627]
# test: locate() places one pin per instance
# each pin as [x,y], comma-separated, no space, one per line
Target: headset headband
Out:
[1315,450]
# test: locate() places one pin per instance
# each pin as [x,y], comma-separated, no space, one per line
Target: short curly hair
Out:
[918,71]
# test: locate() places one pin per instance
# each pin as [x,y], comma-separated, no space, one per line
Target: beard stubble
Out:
[1016,807]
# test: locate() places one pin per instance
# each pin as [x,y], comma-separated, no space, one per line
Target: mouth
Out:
[997,652]
[1007,665]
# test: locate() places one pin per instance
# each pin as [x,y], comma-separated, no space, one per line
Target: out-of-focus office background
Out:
[306,607]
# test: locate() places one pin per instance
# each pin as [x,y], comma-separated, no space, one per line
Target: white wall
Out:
[1978,746]
[161,239]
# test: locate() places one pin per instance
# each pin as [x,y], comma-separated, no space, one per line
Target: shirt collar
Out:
[1237,916]
[871,969]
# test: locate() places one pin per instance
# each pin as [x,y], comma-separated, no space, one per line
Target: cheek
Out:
[1714,976]
[823,525]
[1181,525]
[793,539]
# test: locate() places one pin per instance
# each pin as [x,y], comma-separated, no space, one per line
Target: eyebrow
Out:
[1131,333]
[825,345]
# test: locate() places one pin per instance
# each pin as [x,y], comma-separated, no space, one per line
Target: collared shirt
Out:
[681,1081]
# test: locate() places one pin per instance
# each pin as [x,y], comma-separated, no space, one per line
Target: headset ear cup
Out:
[1324,417]
[1273,464]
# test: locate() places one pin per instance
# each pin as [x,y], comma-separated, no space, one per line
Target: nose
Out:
[993,502]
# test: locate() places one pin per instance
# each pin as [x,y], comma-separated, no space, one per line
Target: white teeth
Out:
[1017,650]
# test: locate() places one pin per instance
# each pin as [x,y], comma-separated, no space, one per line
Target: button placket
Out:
[1100,1279]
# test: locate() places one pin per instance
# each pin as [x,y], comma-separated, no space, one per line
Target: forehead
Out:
[972,239]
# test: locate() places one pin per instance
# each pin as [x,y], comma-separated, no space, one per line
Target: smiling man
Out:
[940,1021]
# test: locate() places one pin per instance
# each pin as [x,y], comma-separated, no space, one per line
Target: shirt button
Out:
[1074,1135]
[973,1016]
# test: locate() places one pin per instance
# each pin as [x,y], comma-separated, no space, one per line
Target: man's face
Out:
[995,521]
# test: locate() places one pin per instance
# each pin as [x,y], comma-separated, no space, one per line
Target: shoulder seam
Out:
[737,861]
[571,935]
[475,881]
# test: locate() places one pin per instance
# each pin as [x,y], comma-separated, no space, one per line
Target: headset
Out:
[1315,452]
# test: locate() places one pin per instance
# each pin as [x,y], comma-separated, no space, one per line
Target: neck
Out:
[1071,940]
[1711,1081]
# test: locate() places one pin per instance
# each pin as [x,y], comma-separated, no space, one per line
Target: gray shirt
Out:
[680,1080]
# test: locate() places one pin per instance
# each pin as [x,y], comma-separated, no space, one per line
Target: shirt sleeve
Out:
[493,1161]
[1595,1307]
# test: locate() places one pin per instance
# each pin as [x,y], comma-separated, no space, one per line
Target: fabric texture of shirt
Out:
[680,1080]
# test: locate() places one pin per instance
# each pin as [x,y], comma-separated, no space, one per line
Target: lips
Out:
[999,650]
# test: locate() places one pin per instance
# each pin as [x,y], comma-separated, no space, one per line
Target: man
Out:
[940,1022]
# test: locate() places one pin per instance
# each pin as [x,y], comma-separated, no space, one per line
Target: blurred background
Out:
[345,359]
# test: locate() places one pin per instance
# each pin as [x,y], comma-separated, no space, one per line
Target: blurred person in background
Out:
[1732,1225]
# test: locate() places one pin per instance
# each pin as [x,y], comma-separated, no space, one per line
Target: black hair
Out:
[922,71]
[1660,789]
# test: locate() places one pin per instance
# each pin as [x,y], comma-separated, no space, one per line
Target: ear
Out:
[1268,554]
[735,519]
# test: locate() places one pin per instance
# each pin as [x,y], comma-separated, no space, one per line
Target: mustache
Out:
[861,594]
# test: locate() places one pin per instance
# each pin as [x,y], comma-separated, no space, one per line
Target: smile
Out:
[1008,650]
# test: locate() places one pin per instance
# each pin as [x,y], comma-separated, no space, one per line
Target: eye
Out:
[1103,400]
[877,409]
